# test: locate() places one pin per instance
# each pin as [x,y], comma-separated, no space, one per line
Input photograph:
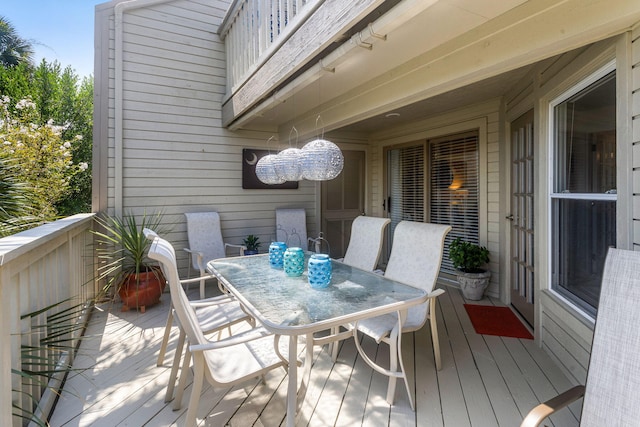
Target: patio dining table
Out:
[288,306]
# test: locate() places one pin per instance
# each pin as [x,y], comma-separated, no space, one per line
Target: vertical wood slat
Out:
[39,267]
[258,24]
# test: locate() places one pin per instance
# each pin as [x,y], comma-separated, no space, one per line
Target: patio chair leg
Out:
[393,366]
[434,333]
[177,403]
[165,338]
[196,389]
[395,359]
[404,373]
[174,368]
[334,346]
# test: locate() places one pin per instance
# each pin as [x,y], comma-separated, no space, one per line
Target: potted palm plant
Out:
[470,260]
[121,248]
[252,243]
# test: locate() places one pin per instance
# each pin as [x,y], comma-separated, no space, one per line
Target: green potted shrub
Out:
[121,249]
[252,244]
[470,260]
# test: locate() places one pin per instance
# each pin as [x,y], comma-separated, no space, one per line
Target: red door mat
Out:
[492,320]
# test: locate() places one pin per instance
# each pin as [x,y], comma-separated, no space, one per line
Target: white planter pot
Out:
[473,285]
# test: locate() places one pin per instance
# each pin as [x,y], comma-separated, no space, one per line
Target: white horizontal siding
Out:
[566,338]
[176,157]
[635,117]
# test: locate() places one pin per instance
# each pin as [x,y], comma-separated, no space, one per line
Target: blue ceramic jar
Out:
[293,262]
[319,271]
[276,254]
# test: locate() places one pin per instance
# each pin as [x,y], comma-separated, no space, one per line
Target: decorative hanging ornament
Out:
[287,164]
[266,171]
[321,160]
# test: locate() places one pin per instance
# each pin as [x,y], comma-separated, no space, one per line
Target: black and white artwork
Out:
[250,181]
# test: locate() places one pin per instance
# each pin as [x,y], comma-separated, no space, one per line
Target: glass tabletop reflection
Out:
[290,302]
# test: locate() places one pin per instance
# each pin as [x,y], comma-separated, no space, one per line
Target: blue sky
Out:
[60,30]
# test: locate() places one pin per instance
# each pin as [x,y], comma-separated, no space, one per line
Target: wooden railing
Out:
[254,29]
[39,268]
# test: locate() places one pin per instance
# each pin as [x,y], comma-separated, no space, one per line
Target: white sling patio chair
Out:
[291,227]
[214,315]
[223,363]
[365,243]
[610,393]
[415,259]
[205,242]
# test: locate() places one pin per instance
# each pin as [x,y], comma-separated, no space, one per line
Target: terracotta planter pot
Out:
[143,290]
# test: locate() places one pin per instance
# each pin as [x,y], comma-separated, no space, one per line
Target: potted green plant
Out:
[470,260]
[121,248]
[252,243]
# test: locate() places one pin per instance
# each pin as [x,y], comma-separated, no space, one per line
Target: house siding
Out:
[175,156]
[564,331]
[635,133]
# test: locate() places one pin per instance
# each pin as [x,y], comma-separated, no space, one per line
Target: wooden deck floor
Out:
[485,380]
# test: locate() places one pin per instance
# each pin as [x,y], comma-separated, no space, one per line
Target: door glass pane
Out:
[584,191]
[406,185]
[454,180]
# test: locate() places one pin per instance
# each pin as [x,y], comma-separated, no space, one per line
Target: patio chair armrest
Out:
[197,279]
[241,248]
[543,410]
[435,293]
[208,302]
[242,337]
[199,256]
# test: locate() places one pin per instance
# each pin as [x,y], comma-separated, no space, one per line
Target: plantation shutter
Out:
[454,189]
[406,185]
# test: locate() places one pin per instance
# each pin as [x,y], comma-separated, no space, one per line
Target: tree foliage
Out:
[46,165]
[46,127]
[14,50]
[46,134]
[15,208]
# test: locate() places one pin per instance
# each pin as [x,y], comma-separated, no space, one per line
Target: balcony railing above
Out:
[254,29]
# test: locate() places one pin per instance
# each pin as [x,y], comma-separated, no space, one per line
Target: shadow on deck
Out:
[485,380]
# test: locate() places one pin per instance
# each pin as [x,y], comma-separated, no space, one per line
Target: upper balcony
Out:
[289,60]
[270,44]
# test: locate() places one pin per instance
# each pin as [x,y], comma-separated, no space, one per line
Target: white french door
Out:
[521,217]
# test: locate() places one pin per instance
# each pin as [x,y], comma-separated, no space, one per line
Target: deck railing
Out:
[39,268]
[254,29]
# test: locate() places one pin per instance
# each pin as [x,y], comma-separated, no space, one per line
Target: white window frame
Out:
[552,195]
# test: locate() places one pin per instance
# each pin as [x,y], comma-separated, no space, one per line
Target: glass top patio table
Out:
[289,305]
